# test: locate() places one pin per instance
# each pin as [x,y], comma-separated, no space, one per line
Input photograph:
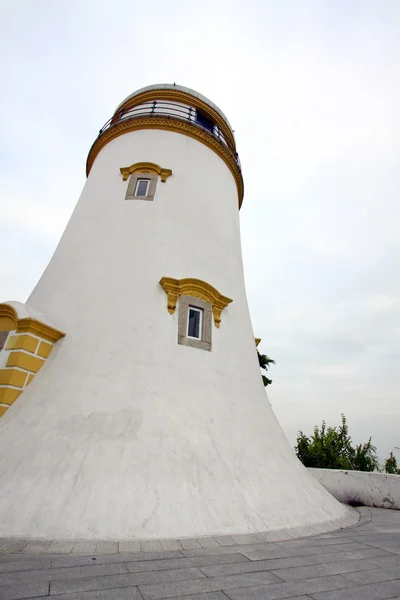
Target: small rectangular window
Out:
[142,187]
[195,323]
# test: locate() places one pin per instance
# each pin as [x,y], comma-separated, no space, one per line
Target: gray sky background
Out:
[312,90]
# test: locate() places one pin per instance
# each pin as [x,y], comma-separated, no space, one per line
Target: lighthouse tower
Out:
[132,401]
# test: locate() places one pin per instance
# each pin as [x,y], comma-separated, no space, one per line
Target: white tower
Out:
[147,417]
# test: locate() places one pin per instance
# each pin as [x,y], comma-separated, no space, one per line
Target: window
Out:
[195,323]
[142,187]
[204,121]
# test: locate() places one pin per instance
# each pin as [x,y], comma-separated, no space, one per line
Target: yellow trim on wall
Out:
[9,395]
[145,167]
[257,340]
[22,342]
[44,349]
[12,377]
[169,125]
[25,361]
[3,410]
[40,329]
[197,288]
[183,98]
[19,346]
[9,321]
[8,318]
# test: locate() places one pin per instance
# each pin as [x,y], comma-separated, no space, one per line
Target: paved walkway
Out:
[361,562]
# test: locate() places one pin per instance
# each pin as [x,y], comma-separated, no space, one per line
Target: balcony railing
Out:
[176,111]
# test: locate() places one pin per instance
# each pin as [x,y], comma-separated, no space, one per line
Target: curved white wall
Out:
[359,487]
[124,433]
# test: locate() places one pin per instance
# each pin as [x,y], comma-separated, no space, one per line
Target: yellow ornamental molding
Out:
[197,288]
[27,353]
[9,321]
[8,318]
[180,97]
[40,329]
[166,124]
[146,167]
[257,341]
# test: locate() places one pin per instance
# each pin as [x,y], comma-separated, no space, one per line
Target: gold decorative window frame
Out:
[146,167]
[143,170]
[198,289]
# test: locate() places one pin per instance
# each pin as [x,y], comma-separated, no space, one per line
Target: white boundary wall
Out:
[370,489]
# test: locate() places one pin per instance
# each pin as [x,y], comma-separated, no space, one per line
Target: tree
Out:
[331,448]
[391,465]
[265,362]
[365,458]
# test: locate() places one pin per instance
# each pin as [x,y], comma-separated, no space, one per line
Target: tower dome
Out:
[131,395]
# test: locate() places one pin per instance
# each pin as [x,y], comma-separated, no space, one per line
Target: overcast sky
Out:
[312,90]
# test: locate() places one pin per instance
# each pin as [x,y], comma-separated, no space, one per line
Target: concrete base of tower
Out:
[97,476]
[109,442]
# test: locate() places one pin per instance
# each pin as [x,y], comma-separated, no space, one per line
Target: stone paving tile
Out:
[13,545]
[36,546]
[254,566]
[103,559]
[224,540]
[340,556]
[278,591]
[335,568]
[274,551]
[316,541]
[386,561]
[305,532]
[189,543]
[63,573]
[376,591]
[392,549]
[60,547]
[24,565]
[270,550]
[220,559]
[15,590]
[150,546]
[133,546]
[282,534]
[206,596]
[350,547]
[106,548]
[374,576]
[370,541]
[171,545]
[299,598]
[158,565]
[84,547]
[248,538]
[208,542]
[132,579]
[208,584]
[128,593]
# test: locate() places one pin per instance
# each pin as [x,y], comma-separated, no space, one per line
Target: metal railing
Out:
[176,111]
